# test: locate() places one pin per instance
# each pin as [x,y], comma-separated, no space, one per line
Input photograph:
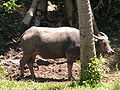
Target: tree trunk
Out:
[26,20]
[87,45]
[41,12]
[42,5]
[68,8]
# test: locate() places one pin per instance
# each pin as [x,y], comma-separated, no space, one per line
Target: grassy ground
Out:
[31,85]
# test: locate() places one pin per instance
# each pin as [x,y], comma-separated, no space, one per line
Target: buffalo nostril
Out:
[112,52]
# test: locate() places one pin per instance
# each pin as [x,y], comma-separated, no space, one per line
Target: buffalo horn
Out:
[97,37]
[103,34]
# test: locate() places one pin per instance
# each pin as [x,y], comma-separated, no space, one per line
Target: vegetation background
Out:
[107,16]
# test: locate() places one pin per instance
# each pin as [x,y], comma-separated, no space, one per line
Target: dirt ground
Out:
[48,70]
[45,70]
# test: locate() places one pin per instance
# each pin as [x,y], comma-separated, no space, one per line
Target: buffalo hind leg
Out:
[69,66]
[30,65]
[23,61]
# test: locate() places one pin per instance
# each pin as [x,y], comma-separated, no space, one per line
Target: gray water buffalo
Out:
[52,43]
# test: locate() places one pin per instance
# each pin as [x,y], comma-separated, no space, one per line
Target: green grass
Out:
[2,71]
[31,85]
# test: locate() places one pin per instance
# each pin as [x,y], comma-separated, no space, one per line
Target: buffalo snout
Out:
[111,52]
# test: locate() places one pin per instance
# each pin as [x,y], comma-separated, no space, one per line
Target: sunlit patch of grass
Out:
[116,86]
[2,71]
[1,58]
[28,85]
[31,85]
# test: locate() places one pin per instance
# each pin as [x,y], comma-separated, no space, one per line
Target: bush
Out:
[92,74]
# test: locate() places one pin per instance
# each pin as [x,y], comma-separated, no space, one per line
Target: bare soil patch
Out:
[48,70]
[45,70]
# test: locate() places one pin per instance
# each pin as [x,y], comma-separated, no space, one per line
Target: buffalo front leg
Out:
[69,66]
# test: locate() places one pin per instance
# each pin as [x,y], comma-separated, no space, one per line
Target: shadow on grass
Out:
[39,79]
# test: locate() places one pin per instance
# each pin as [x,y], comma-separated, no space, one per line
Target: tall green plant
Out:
[93,73]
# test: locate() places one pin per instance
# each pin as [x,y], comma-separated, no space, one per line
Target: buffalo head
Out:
[102,44]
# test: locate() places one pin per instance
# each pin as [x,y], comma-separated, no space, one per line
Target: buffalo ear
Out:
[95,39]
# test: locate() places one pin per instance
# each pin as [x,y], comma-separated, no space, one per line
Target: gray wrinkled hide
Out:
[51,42]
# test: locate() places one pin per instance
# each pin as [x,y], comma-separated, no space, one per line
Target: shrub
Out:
[93,73]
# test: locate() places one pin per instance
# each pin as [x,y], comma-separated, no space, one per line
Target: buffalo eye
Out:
[104,43]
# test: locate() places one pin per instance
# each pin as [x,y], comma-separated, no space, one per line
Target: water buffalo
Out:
[52,43]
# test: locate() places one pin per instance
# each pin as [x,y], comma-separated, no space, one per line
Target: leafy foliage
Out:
[107,16]
[92,74]
[9,23]
[9,6]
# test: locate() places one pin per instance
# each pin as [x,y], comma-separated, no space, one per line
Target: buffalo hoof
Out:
[31,77]
[20,78]
[71,78]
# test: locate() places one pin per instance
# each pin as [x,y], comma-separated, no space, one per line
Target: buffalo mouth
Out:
[109,53]
[106,53]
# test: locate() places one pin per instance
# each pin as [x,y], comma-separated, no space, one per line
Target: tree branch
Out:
[100,4]
[26,20]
